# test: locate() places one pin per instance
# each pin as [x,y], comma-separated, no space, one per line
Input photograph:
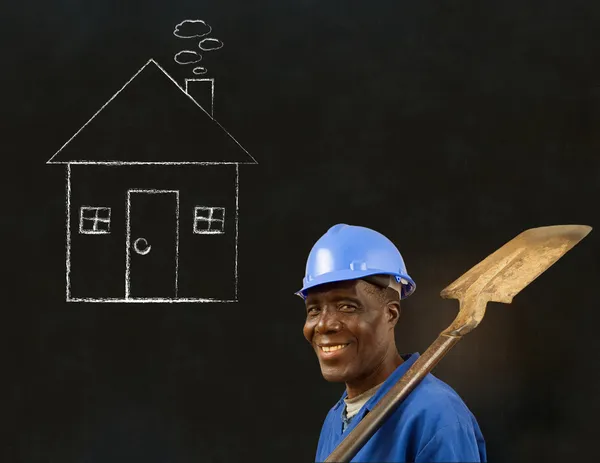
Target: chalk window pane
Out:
[209,220]
[94,220]
[103,213]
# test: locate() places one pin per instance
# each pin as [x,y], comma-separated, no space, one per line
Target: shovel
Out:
[497,278]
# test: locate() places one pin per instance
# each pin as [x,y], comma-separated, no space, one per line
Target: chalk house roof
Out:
[151,120]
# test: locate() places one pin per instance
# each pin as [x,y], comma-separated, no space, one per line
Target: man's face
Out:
[350,328]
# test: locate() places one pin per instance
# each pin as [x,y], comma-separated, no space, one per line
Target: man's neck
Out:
[377,376]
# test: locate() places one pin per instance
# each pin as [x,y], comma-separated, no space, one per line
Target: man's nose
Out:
[328,322]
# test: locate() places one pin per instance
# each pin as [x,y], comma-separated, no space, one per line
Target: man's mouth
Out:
[333,348]
[332,351]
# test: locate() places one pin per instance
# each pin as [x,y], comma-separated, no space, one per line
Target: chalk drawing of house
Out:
[152,196]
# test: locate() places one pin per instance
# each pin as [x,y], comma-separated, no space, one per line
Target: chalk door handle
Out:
[141,246]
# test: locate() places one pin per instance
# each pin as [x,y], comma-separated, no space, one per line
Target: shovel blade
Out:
[503,274]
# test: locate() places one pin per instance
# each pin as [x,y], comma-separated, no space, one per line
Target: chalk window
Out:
[209,220]
[94,220]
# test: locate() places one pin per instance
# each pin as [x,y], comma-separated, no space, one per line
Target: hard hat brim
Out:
[348,274]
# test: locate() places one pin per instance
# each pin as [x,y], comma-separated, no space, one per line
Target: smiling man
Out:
[355,279]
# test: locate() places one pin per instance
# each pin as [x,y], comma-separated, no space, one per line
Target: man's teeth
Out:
[332,348]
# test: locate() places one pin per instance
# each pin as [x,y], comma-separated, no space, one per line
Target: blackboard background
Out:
[448,126]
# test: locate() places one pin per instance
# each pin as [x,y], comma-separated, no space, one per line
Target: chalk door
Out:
[152,244]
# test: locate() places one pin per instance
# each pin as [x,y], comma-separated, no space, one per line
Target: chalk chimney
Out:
[203,91]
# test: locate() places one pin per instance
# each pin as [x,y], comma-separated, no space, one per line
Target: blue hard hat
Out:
[348,252]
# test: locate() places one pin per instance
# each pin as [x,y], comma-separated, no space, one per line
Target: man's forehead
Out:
[334,289]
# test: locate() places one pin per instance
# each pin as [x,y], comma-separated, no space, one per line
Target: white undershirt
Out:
[354,405]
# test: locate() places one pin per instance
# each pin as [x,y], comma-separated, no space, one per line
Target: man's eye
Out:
[312,311]
[347,308]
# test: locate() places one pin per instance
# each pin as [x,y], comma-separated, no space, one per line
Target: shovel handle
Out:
[365,429]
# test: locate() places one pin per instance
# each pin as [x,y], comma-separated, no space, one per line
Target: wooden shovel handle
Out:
[364,430]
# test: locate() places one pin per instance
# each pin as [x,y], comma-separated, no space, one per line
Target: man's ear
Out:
[393,311]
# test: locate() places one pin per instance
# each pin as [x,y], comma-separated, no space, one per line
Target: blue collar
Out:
[409,359]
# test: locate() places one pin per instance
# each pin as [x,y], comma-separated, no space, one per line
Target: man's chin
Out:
[334,375]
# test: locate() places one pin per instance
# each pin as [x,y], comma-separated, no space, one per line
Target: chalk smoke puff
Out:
[210,44]
[191,28]
[194,28]
[188,57]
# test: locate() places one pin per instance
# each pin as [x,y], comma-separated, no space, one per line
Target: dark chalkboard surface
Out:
[150,267]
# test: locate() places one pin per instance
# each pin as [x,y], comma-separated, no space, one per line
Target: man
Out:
[355,279]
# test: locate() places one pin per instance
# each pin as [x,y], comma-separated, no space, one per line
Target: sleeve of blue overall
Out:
[453,443]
